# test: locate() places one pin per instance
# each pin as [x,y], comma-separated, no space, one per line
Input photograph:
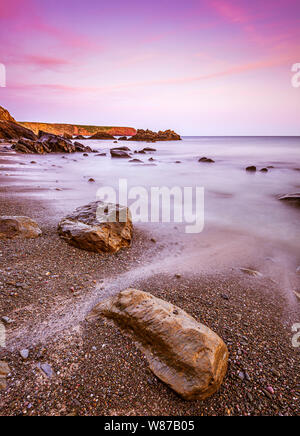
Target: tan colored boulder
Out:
[12,227]
[99,227]
[186,355]
[4,371]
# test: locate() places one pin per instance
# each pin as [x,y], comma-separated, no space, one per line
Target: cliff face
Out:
[5,115]
[74,130]
[9,129]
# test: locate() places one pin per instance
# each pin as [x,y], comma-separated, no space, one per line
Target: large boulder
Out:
[186,355]
[149,136]
[12,227]
[99,227]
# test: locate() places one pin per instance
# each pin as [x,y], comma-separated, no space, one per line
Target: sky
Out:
[200,67]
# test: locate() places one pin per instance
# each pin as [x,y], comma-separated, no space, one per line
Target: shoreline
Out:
[254,319]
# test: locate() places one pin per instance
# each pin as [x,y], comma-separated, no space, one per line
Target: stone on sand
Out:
[4,371]
[98,227]
[18,227]
[186,355]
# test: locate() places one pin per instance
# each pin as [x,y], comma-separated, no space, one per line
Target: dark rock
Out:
[251,169]
[206,160]
[293,199]
[119,154]
[149,136]
[102,135]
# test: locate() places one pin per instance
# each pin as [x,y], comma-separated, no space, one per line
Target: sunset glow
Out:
[220,67]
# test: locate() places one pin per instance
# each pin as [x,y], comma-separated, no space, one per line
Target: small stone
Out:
[91,180]
[271,390]
[241,375]
[47,369]
[251,169]
[178,276]
[153,240]
[24,354]
[6,320]
[225,297]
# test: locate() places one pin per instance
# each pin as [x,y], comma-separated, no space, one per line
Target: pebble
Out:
[6,320]
[24,354]
[47,369]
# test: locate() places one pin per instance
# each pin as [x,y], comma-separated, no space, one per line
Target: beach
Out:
[48,287]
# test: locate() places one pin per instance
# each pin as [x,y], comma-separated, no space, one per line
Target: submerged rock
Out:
[98,227]
[206,160]
[186,355]
[120,154]
[12,227]
[291,198]
[251,169]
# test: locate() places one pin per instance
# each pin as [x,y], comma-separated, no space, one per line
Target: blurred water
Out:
[234,199]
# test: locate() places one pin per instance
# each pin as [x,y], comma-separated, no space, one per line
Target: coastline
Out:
[254,319]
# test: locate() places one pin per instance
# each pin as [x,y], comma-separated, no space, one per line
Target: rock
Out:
[24,354]
[291,198]
[80,137]
[18,227]
[49,143]
[91,180]
[264,170]
[178,276]
[251,272]
[101,154]
[206,160]
[82,148]
[136,161]
[87,228]
[11,130]
[4,371]
[123,138]
[121,148]
[297,295]
[186,355]
[251,169]
[6,320]
[149,149]
[47,369]
[149,136]
[119,154]
[298,270]
[102,135]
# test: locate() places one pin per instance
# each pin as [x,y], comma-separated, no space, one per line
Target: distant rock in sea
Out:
[149,136]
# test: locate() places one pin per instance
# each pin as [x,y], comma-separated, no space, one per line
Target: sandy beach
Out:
[47,288]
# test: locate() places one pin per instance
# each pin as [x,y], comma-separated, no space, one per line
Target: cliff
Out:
[9,129]
[74,129]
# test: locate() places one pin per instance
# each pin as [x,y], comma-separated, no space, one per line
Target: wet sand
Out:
[47,288]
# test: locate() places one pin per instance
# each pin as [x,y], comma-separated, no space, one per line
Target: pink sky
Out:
[219,67]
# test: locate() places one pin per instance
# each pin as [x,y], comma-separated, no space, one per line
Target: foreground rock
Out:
[186,355]
[4,371]
[12,227]
[98,227]
[206,160]
[291,198]
[48,143]
[149,136]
